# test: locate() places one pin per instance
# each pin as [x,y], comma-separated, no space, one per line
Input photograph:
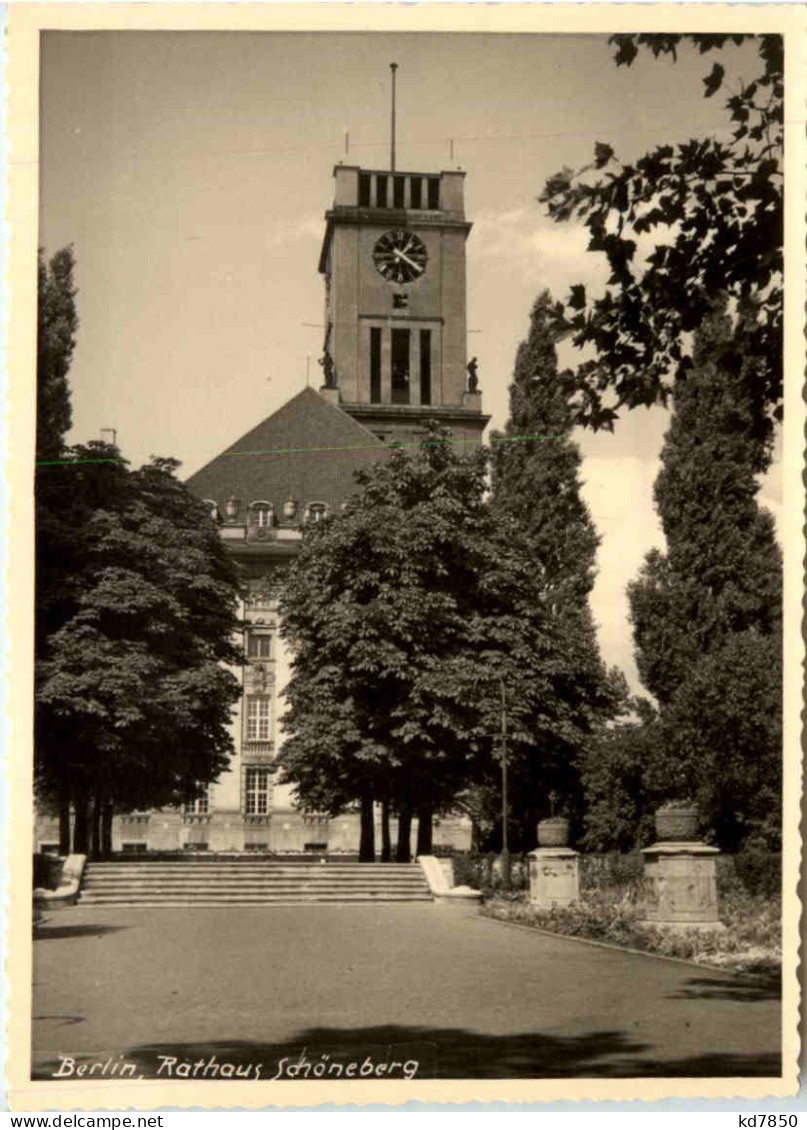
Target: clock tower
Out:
[393,258]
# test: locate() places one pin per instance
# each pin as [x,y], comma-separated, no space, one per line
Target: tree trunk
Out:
[476,837]
[95,829]
[386,841]
[403,852]
[367,840]
[81,827]
[106,829]
[531,832]
[64,823]
[425,829]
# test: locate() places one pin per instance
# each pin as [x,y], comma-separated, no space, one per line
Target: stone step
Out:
[214,892]
[253,877]
[245,872]
[346,900]
[250,883]
[254,866]
[249,895]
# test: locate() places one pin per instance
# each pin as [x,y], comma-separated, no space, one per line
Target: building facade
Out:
[394,357]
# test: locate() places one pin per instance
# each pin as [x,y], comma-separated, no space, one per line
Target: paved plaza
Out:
[464,996]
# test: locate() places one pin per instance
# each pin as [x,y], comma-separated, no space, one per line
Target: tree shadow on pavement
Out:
[446,1053]
[46,933]
[744,991]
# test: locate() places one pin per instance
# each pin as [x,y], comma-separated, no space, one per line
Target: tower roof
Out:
[308,448]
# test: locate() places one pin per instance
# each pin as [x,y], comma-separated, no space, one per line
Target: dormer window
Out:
[316,512]
[213,507]
[261,515]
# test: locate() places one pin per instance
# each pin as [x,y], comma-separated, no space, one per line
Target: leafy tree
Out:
[714,211]
[723,736]
[707,613]
[404,614]
[133,700]
[56,552]
[619,801]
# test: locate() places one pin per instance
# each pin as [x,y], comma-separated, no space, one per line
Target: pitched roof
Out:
[308,448]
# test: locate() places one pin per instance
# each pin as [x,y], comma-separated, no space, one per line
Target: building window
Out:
[259,718]
[398,192]
[416,195]
[364,190]
[259,645]
[425,366]
[213,507]
[198,805]
[375,365]
[381,192]
[256,798]
[400,366]
[434,193]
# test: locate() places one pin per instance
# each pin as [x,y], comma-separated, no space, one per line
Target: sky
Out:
[192,170]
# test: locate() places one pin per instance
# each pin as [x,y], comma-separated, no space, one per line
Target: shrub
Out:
[759,871]
[482,871]
[612,912]
[611,869]
[47,871]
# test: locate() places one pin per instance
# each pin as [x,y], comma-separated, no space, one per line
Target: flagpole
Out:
[393,68]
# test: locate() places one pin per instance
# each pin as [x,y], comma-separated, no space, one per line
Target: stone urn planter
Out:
[553,832]
[677,822]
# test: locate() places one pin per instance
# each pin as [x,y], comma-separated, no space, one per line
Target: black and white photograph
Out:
[407,559]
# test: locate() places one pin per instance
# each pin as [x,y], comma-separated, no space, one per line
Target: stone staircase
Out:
[249,882]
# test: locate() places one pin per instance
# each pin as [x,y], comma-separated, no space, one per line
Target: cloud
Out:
[536,248]
[305,228]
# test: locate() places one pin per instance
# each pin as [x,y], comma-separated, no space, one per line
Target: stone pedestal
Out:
[554,876]
[680,881]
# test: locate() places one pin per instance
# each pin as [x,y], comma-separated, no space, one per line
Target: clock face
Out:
[400,256]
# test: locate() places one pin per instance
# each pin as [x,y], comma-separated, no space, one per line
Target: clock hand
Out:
[415,266]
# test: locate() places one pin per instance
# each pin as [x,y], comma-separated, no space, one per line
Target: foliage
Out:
[707,613]
[752,872]
[619,803]
[483,872]
[536,467]
[750,944]
[611,869]
[713,210]
[536,482]
[135,610]
[405,615]
[722,570]
[133,702]
[723,734]
[47,871]
[56,340]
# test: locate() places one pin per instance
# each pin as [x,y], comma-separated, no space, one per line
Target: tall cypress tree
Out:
[707,613]
[536,480]
[536,466]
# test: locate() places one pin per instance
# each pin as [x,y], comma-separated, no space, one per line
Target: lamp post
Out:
[505,839]
[503,758]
